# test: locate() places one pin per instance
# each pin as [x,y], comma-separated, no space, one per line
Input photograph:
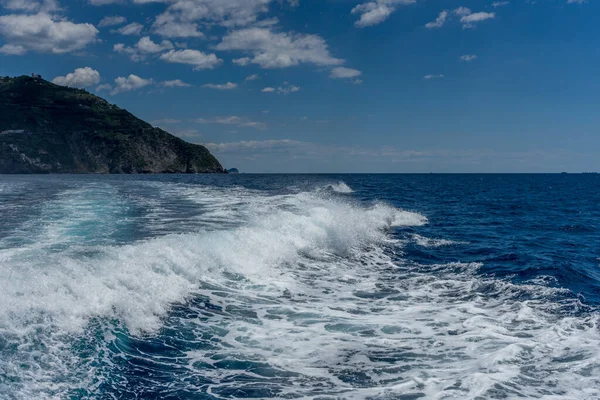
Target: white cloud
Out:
[10,49]
[224,86]
[80,78]
[375,12]
[169,26]
[132,82]
[439,21]
[175,83]
[31,5]
[112,21]
[43,33]
[497,4]
[133,53]
[469,20]
[462,11]
[253,124]
[252,145]
[576,1]
[146,45]
[278,50]
[183,17]
[104,86]
[428,77]
[252,77]
[165,121]
[196,58]
[343,72]
[104,2]
[468,57]
[142,48]
[133,28]
[286,89]
[233,120]
[242,61]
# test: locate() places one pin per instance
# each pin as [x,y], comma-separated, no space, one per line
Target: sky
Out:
[334,85]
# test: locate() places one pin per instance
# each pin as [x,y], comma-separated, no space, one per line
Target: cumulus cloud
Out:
[497,4]
[145,46]
[105,86]
[165,121]
[44,33]
[429,77]
[80,78]
[253,145]
[12,50]
[175,83]
[375,12]
[278,50]
[183,18]
[467,17]
[344,73]
[233,120]
[105,2]
[462,11]
[242,61]
[252,77]
[285,89]
[132,29]
[223,86]
[31,5]
[112,21]
[468,57]
[469,20]
[196,58]
[439,21]
[127,84]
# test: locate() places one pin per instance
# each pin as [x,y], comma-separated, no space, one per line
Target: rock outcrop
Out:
[46,128]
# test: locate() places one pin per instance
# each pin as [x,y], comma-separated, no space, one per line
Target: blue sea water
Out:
[300,287]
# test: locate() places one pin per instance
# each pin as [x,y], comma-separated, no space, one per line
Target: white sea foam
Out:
[324,295]
[429,242]
[341,187]
[59,292]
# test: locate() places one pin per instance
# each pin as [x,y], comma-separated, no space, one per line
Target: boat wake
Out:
[295,295]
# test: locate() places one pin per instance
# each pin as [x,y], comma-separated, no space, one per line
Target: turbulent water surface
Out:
[300,287]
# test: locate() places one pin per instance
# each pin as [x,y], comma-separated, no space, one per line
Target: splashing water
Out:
[155,289]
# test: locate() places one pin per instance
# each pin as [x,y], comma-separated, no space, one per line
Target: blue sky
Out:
[334,85]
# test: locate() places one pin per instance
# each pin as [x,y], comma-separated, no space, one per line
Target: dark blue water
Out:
[300,286]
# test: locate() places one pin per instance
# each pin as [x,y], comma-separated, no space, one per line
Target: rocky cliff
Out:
[46,128]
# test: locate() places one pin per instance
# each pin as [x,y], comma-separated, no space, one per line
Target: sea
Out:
[430,286]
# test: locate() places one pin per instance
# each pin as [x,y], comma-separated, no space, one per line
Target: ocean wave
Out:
[430,242]
[340,187]
[49,294]
[298,295]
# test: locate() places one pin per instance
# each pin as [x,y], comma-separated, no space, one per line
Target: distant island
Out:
[233,171]
[46,128]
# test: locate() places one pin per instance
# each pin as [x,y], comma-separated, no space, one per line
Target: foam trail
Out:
[274,296]
[340,187]
[429,242]
[138,283]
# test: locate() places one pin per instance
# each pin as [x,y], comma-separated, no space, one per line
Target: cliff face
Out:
[46,128]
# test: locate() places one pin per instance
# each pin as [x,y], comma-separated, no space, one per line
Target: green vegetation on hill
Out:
[46,128]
